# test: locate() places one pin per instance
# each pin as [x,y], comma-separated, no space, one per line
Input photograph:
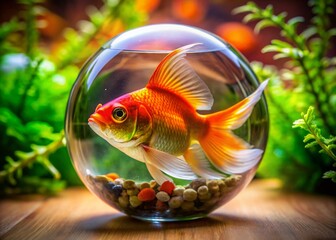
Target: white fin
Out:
[136,153]
[241,161]
[139,153]
[175,75]
[198,162]
[169,164]
[158,176]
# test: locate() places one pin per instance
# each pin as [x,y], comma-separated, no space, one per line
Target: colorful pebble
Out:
[112,176]
[129,184]
[102,178]
[204,197]
[119,181]
[162,196]
[189,195]
[197,183]
[161,206]
[202,190]
[175,202]
[132,192]
[123,201]
[144,185]
[110,185]
[178,191]
[221,186]
[167,187]
[146,194]
[117,190]
[213,186]
[232,181]
[134,201]
[199,195]
[124,193]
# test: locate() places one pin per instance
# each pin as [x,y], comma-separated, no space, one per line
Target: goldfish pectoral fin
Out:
[134,152]
[229,153]
[156,173]
[198,162]
[235,116]
[174,74]
[169,164]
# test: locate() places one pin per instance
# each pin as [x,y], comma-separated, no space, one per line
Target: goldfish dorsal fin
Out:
[176,75]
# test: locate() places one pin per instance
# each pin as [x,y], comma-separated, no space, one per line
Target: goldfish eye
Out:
[119,114]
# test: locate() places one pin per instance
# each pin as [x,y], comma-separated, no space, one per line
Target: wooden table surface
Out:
[258,212]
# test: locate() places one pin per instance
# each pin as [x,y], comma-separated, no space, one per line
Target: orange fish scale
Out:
[175,122]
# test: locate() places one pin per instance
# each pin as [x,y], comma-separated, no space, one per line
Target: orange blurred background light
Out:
[238,35]
[147,6]
[189,10]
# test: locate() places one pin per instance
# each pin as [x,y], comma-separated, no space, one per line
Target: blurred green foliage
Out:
[35,85]
[306,80]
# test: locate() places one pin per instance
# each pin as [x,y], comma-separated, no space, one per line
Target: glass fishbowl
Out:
[166,123]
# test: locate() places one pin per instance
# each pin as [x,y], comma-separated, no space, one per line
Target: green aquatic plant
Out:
[315,137]
[34,90]
[307,80]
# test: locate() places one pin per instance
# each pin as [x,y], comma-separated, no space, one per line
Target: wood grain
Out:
[259,212]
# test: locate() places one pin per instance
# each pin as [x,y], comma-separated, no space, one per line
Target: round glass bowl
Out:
[125,64]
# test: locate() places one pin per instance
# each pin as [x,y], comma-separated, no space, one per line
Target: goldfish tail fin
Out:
[224,149]
[229,153]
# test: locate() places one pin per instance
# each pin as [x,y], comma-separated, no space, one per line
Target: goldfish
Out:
[160,125]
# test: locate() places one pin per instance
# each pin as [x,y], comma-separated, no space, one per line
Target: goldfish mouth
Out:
[97,123]
[97,118]
[92,120]
[103,133]
[96,126]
